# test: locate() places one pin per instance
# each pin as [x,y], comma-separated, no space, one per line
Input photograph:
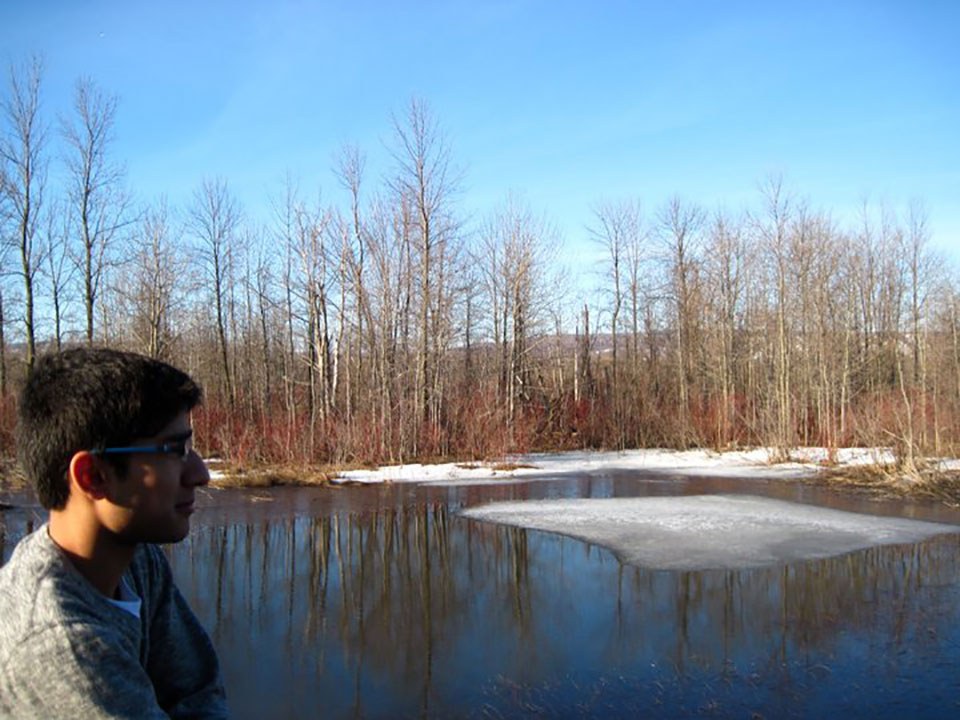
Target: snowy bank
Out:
[804,462]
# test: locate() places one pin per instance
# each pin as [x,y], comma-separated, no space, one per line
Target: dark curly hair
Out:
[86,398]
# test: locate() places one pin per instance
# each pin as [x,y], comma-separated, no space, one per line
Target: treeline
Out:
[388,327]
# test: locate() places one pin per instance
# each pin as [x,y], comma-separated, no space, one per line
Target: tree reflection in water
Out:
[408,610]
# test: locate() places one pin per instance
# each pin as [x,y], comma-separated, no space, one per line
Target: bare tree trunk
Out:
[350,169]
[515,254]
[427,182]
[157,272]
[725,267]
[3,349]
[774,230]
[619,233]
[99,202]
[59,266]
[583,372]
[955,337]
[262,289]
[922,267]
[213,220]
[22,181]
[290,367]
[681,225]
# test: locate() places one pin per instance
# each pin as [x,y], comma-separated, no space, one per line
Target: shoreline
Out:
[868,471]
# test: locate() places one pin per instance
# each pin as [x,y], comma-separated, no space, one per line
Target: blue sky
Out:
[567,103]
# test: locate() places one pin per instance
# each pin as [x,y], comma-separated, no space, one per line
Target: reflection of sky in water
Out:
[406,609]
[386,602]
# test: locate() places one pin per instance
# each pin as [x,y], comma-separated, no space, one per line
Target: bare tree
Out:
[3,320]
[317,288]
[725,262]
[426,181]
[285,212]
[773,227]
[390,293]
[213,218]
[3,348]
[680,225]
[921,268]
[310,327]
[99,201]
[620,231]
[157,274]
[24,176]
[518,249]
[262,282]
[349,170]
[59,267]
[828,352]
[614,224]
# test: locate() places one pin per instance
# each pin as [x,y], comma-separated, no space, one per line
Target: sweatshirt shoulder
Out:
[39,590]
[34,571]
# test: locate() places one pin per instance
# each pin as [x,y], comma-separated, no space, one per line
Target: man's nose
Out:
[195,471]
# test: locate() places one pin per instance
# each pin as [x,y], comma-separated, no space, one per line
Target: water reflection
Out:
[385,603]
[398,607]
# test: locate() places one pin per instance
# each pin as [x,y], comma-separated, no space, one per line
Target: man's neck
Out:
[93,551]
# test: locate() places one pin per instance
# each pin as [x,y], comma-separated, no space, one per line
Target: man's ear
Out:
[87,474]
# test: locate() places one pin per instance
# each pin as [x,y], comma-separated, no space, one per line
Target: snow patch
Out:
[709,531]
[745,463]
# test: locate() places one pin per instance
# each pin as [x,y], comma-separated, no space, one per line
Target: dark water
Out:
[381,602]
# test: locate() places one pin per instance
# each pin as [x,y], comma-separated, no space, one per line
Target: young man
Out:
[91,623]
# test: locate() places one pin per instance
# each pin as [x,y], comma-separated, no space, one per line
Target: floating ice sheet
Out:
[709,531]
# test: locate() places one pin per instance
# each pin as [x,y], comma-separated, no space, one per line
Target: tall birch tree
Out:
[98,199]
[213,219]
[426,182]
[22,181]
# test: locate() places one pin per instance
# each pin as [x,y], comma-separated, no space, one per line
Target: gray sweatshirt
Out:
[66,651]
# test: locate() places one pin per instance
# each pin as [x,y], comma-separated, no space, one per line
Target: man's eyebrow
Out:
[186,435]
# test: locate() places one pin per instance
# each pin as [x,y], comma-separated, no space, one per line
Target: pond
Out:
[384,602]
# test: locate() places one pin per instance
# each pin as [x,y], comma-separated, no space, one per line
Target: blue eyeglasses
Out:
[180,447]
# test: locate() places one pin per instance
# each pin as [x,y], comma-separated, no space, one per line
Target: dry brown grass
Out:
[508,466]
[887,481]
[272,476]
[497,467]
